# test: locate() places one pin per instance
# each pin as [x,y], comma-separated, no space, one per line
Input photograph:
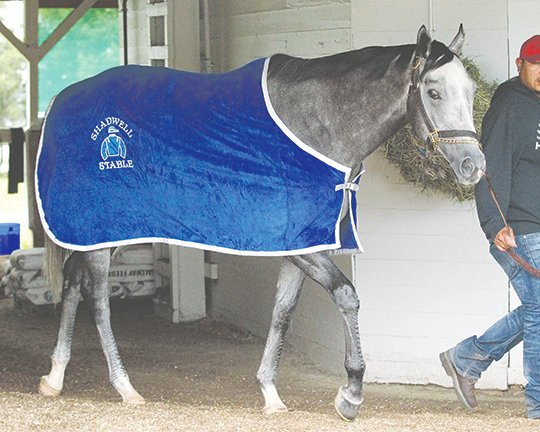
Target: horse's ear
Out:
[457,44]
[423,42]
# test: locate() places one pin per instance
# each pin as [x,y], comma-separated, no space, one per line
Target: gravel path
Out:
[200,377]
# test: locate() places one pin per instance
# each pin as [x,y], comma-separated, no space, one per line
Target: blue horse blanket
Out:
[142,154]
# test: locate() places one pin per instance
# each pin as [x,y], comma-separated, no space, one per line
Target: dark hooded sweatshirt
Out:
[511,140]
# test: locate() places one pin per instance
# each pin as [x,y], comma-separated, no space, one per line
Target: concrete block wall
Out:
[242,31]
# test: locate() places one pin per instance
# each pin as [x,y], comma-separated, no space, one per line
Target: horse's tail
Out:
[54,262]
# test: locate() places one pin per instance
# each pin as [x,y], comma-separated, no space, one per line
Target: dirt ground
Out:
[200,377]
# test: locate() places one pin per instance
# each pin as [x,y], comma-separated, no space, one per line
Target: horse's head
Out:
[440,105]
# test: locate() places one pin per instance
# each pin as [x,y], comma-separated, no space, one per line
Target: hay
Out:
[430,170]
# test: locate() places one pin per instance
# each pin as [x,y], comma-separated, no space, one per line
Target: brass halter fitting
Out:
[434,138]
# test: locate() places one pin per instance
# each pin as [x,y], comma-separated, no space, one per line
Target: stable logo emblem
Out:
[113,148]
[113,145]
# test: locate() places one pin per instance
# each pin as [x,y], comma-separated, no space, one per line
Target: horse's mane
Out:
[374,62]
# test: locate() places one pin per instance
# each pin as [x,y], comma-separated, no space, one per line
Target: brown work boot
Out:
[463,386]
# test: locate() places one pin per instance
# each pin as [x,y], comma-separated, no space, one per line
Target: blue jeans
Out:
[474,355]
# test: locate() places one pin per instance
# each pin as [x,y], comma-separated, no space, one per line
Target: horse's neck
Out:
[345,119]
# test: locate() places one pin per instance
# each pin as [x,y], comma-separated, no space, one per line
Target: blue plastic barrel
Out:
[10,237]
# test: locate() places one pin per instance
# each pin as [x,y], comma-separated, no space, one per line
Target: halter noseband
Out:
[435,136]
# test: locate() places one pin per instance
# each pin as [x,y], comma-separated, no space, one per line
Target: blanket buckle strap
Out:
[347,186]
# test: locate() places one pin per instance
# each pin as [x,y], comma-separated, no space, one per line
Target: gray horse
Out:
[344,106]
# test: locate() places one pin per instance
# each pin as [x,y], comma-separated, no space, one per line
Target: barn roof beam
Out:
[23,48]
[31,50]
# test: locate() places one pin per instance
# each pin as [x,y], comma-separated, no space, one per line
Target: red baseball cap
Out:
[530,50]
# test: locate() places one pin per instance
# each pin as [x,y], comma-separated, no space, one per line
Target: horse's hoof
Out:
[277,408]
[45,389]
[134,400]
[345,408]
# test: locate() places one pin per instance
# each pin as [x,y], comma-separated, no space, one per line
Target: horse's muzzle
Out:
[471,171]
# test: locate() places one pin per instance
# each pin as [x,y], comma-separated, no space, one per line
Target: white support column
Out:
[183,37]
[180,283]
[188,299]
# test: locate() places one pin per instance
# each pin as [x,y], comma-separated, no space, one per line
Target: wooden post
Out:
[31,15]
[34,221]
[31,19]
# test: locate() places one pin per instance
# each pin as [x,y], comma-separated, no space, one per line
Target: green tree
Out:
[90,47]
[12,86]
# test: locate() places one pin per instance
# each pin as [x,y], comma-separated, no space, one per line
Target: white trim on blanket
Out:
[325,159]
[79,248]
[289,133]
[352,218]
[36,182]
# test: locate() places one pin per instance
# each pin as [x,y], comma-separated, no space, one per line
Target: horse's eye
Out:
[434,94]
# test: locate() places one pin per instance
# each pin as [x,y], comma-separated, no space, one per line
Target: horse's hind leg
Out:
[95,290]
[288,290]
[51,385]
[322,270]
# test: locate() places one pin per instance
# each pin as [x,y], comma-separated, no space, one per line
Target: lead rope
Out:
[517,258]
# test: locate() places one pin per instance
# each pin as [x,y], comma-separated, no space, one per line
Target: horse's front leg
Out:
[95,290]
[52,384]
[289,286]
[322,270]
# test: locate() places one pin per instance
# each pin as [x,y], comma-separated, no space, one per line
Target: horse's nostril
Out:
[466,167]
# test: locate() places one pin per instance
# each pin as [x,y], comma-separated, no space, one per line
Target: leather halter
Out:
[435,136]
